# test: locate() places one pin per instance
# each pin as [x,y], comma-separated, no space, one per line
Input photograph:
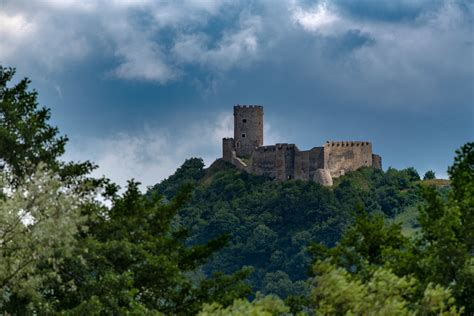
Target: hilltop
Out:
[272,223]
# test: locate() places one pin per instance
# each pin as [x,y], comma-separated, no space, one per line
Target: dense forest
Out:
[216,241]
[272,224]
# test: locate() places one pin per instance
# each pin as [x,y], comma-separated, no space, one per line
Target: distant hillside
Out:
[272,223]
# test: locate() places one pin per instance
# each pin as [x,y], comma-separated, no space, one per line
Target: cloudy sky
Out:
[141,85]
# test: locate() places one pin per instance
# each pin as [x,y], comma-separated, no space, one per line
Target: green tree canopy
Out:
[38,223]
[133,258]
[438,260]
[26,138]
[261,306]
[429,175]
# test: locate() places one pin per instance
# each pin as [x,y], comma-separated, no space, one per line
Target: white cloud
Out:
[49,34]
[154,153]
[139,57]
[30,40]
[235,47]
[77,5]
[410,61]
[162,40]
[319,19]
[14,29]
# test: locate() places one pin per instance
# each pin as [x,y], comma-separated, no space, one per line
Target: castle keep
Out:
[285,161]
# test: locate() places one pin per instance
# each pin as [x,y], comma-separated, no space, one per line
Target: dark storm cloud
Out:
[388,10]
[399,73]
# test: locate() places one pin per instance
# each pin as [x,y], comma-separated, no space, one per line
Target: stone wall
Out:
[263,161]
[307,162]
[248,129]
[229,154]
[343,156]
[276,162]
[227,149]
[285,161]
[376,161]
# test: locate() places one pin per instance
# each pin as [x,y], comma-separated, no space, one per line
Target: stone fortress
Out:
[285,161]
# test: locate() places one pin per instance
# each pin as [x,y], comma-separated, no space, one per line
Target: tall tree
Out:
[38,223]
[134,258]
[440,256]
[26,138]
[429,175]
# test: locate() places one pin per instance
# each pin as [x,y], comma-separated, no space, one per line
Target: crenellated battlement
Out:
[248,129]
[281,146]
[284,161]
[330,143]
[262,149]
[253,107]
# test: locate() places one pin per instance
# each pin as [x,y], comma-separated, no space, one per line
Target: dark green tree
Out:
[429,175]
[272,223]
[128,258]
[188,173]
[134,259]
[26,138]
[445,250]
[441,255]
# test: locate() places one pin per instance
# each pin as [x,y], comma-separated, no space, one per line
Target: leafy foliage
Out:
[63,252]
[271,224]
[38,221]
[429,175]
[439,259]
[338,292]
[26,138]
[132,259]
[261,306]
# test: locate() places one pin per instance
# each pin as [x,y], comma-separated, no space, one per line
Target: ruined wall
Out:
[248,129]
[321,164]
[229,155]
[376,161]
[227,149]
[276,162]
[322,176]
[263,161]
[307,162]
[343,156]
[285,161]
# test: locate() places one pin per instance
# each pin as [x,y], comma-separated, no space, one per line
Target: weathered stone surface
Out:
[376,161]
[285,161]
[343,156]
[248,129]
[323,176]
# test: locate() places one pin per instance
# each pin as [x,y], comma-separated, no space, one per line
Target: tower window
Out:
[244,121]
[243,135]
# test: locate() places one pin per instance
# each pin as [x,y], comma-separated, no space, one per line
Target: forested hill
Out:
[271,224]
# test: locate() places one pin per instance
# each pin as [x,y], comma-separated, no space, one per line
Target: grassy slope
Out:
[409,217]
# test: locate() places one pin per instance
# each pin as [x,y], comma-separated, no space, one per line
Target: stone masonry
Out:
[286,161]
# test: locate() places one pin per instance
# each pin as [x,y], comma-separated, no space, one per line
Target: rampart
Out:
[343,156]
[248,129]
[307,162]
[285,161]
[229,155]
[376,161]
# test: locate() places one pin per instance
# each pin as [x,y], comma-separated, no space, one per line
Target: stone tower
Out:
[248,129]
